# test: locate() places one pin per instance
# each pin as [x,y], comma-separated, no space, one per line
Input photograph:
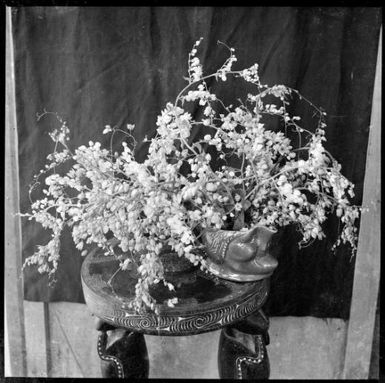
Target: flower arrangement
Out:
[181,189]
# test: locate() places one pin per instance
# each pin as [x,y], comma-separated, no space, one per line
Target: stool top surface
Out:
[205,302]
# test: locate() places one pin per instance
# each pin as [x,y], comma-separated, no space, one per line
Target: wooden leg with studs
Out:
[123,353]
[242,350]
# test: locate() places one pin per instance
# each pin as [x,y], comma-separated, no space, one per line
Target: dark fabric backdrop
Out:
[98,66]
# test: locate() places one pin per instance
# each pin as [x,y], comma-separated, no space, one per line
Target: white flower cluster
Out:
[226,67]
[177,192]
[195,69]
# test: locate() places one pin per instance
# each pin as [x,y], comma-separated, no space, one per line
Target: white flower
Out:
[208,110]
[286,189]
[211,187]
[189,192]
[238,206]
[195,215]
[172,302]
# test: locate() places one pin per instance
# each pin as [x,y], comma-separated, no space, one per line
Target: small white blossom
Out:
[107,129]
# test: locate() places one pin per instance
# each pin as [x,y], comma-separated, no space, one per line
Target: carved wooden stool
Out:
[206,303]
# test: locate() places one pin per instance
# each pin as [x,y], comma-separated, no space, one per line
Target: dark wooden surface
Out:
[206,302]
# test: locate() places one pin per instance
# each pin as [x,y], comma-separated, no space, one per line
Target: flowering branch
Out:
[176,193]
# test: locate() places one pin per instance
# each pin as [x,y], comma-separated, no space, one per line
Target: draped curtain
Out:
[95,66]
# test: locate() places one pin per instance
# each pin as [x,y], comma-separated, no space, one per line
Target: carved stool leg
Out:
[123,353]
[242,350]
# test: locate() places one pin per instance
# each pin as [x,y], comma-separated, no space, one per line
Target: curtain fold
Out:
[99,65]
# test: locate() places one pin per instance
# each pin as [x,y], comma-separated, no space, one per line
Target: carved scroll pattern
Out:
[206,321]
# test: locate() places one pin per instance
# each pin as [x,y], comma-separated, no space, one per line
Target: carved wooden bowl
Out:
[206,302]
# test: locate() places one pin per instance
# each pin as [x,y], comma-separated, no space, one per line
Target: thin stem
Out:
[113,276]
[202,79]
